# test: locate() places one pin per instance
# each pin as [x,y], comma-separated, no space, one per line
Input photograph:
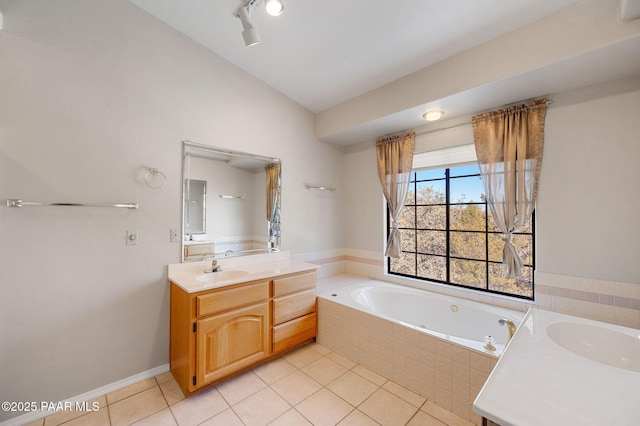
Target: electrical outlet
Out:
[132,238]
[175,235]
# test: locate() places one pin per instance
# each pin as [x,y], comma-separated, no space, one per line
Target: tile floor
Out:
[310,385]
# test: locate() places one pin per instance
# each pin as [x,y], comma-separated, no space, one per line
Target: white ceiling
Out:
[321,53]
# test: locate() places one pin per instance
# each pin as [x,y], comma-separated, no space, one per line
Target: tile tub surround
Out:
[607,301]
[442,372]
[602,300]
[311,385]
[369,264]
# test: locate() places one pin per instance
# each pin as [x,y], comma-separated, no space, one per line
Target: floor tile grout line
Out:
[234,412]
[216,387]
[157,385]
[166,401]
[300,370]
[325,387]
[354,407]
[381,386]
[107,408]
[323,354]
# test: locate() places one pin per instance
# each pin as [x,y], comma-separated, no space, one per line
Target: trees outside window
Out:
[448,235]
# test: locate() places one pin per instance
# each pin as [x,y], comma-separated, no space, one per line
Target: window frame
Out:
[486,234]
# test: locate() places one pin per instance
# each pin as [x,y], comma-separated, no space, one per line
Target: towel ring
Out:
[151,175]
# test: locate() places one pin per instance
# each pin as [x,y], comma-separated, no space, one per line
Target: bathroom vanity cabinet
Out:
[294,310]
[218,332]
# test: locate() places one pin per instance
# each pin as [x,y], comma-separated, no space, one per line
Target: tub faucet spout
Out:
[510,325]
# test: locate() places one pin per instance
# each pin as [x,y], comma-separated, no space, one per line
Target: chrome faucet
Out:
[227,253]
[510,325]
[214,267]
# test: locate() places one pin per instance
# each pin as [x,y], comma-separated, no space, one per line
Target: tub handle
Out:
[489,343]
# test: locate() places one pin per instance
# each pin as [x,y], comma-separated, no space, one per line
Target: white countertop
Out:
[538,382]
[249,268]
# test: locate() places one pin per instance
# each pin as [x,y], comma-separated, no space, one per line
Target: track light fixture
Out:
[249,33]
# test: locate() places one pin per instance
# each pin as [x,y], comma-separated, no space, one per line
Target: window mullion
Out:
[415,222]
[448,223]
[486,243]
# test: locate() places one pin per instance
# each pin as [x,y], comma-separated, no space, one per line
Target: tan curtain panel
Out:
[395,159]
[273,194]
[273,175]
[509,149]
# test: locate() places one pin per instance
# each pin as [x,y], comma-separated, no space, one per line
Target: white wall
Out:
[365,206]
[589,203]
[93,93]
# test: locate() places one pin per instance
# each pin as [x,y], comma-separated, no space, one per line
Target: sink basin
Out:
[221,276]
[598,344]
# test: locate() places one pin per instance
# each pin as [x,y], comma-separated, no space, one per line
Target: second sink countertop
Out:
[538,382]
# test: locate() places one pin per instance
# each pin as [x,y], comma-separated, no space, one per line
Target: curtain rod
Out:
[466,123]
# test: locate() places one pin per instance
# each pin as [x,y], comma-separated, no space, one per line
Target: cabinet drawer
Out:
[295,283]
[229,299]
[293,332]
[295,305]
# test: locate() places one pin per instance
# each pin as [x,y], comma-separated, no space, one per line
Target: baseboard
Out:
[103,390]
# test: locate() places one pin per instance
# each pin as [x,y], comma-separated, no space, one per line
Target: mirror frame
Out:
[273,245]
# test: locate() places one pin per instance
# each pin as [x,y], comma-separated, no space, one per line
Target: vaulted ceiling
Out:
[369,68]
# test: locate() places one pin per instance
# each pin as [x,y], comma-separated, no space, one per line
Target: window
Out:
[448,235]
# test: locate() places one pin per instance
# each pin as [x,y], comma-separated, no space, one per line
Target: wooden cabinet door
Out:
[229,342]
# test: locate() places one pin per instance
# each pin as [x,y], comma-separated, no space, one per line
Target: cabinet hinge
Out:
[194,380]
[195,327]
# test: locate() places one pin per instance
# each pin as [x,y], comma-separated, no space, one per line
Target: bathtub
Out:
[430,343]
[460,321]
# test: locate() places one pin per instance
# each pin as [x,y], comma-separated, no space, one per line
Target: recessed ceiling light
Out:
[433,115]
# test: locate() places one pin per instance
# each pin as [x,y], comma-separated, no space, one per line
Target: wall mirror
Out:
[231,203]
[195,207]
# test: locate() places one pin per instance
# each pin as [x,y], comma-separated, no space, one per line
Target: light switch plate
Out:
[132,238]
[175,235]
